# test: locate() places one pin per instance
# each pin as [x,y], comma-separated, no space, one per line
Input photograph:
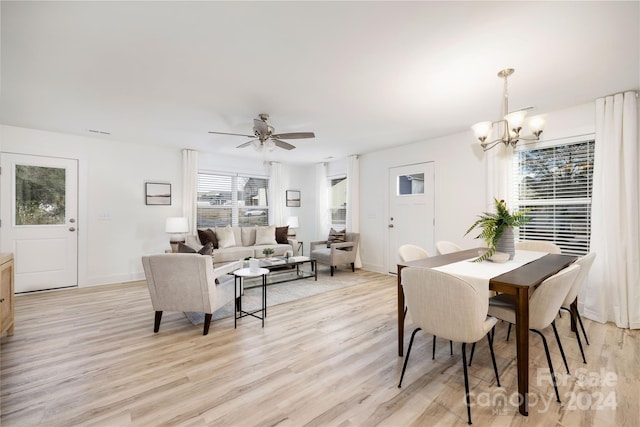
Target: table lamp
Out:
[292,222]
[176,227]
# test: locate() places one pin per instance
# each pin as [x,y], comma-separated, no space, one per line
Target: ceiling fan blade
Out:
[234,134]
[295,135]
[246,144]
[283,144]
[261,127]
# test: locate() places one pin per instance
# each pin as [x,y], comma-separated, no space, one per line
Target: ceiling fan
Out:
[263,136]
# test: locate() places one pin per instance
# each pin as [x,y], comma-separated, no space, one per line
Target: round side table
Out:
[239,276]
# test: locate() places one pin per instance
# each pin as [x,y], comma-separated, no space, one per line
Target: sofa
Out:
[237,243]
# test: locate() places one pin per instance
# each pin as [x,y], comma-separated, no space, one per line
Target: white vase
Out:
[254,265]
[506,243]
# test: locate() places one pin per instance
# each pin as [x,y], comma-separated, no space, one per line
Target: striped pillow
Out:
[336,237]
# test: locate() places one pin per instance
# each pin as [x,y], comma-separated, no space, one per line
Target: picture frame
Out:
[157,193]
[293,198]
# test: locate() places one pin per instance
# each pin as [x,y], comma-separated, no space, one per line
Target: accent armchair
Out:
[336,253]
[187,282]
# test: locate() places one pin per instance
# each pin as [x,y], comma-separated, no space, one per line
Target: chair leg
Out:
[584,360]
[433,355]
[406,358]
[331,270]
[207,322]
[493,357]
[451,347]
[586,339]
[156,323]
[405,313]
[564,359]
[473,349]
[508,332]
[553,375]
[466,380]
[353,267]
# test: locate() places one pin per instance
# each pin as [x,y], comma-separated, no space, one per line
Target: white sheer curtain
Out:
[276,195]
[612,292]
[322,209]
[189,187]
[353,200]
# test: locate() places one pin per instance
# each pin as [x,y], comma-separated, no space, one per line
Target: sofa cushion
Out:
[207,236]
[282,234]
[336,237]
[266,236]
[226,237]
[248,236]
[232,254]
[278,250]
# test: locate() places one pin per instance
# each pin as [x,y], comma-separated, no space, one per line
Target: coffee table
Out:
[281,269]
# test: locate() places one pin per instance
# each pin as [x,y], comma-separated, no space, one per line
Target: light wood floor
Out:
[90,357]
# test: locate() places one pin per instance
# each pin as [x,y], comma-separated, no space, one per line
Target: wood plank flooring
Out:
[90,357]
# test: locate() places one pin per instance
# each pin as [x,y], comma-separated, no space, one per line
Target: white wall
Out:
[460,190]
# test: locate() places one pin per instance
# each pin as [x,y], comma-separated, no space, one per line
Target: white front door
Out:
[39,220]
[411,209]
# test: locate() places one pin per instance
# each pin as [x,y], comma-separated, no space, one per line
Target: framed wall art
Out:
[293,198]
[157,193]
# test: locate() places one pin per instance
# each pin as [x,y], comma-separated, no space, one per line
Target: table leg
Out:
[522,345]
[400,314]
[315,270]
[574,314]
[264,298]
[235,301]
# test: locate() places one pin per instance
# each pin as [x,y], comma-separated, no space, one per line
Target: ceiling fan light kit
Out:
[265,138]
[510,126]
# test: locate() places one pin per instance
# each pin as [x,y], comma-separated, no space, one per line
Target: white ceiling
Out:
[361,75]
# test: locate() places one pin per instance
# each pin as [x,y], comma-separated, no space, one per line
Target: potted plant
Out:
[267,252]
[496,226]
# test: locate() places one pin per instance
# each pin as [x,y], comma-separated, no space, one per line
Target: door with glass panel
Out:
[411,209]
[39,225]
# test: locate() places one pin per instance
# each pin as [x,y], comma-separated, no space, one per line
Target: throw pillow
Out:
[207,236]
[226,238]
[205,250]
[282,234]
[266,235]
[336,237]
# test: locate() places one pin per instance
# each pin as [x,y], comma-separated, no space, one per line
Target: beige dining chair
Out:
[538,246]
[412,253]
[585,264]
[449,307]
[446,247]
[544,304]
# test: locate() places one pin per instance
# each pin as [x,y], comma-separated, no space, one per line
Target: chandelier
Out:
[510,126]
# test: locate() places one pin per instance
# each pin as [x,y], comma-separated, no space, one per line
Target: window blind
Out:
[556,183]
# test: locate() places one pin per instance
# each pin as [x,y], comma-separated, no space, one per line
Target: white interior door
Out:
[39,220]
[411,209]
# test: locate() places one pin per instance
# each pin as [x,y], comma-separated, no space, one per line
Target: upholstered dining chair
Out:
[187,283]
[449,307]
[412,253]
[538,246]
[445,247]
[544,304]
[585,264]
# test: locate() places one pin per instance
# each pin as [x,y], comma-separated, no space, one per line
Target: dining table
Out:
[521,281]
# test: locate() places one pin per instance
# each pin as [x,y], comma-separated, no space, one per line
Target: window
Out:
[338,202]
[556,183]
[232,200]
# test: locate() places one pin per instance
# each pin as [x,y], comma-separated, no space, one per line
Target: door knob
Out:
[72,229]
[390,225]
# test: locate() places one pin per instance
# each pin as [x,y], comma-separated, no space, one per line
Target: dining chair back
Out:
[446,247]
[411,253]
[449,307]
[538,246]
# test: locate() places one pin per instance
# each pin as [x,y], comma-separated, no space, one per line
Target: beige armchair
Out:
[338,253]
[187,282]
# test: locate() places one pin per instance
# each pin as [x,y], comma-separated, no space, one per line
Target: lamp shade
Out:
[176,225]
[292,222]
